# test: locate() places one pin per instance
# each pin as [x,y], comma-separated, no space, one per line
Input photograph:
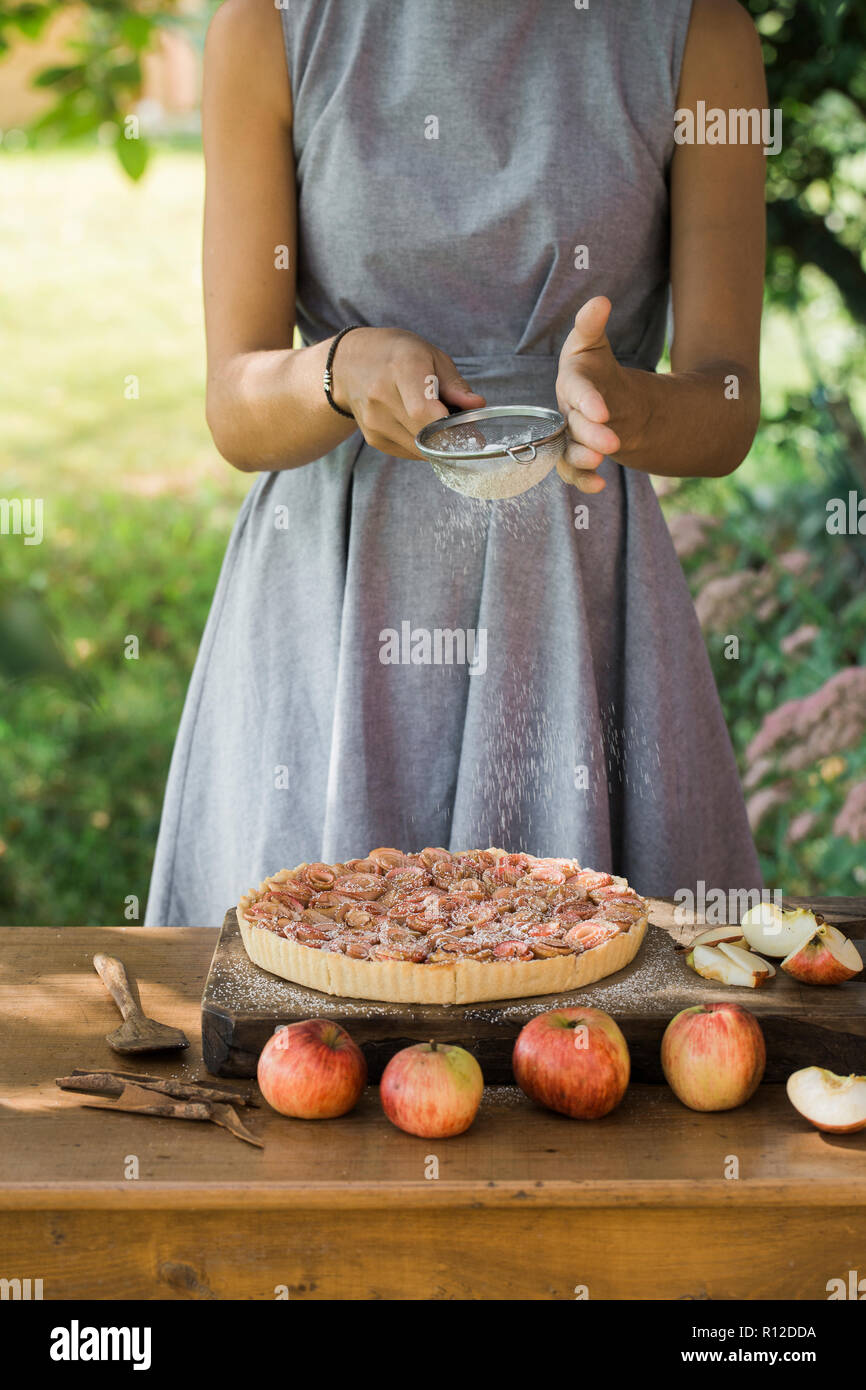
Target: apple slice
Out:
[833,1103]
[747,959]
[776,933]
[713,936]
[824,958]
[713,964]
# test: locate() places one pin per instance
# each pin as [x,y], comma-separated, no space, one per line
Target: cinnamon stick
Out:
[227,1118]
[138,1100]
[112,1082]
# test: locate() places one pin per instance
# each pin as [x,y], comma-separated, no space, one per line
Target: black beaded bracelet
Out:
[326,375]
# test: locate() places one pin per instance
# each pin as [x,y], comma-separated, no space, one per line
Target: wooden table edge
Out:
[653,1194]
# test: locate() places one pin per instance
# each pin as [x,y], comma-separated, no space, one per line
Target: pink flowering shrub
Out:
[793,685]
[801,826]
[851,820]
[799,639]
[689,532]
[802,732]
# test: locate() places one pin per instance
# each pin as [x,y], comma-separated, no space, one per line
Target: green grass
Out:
[102,283]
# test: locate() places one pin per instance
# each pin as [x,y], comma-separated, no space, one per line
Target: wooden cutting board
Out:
[804,1025]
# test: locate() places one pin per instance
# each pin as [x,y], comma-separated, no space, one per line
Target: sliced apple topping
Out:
[770,930]
[833,1103]
[825,957]
[730,965]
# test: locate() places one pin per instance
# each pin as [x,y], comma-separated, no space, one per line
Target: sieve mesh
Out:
[493,434]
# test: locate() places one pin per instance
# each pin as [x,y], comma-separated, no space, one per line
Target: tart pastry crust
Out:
[461,980]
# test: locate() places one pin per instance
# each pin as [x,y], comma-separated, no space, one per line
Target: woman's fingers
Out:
[389,428]
[575,385]
[578,465]
[413,410]
[590,324]
[460,394]
[584,479]
[580,394]
[402,448]
[426,390]
[412,403]
[580,457]
[453,388]
[601,438]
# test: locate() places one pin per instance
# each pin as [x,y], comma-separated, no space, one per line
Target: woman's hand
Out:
[592,394]
[698,419]
[394,383]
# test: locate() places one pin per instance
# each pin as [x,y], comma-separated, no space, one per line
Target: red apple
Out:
[574,1061]
[713,1056]
[824,958]
[312,1070]
[432,1090]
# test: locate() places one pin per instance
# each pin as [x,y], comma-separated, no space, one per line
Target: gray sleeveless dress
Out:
[385,662]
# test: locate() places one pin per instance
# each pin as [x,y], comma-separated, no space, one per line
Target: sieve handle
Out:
[512,453]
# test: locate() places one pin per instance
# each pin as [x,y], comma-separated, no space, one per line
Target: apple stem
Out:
[432,1045]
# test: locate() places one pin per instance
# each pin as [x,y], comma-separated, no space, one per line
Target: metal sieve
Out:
[496,452]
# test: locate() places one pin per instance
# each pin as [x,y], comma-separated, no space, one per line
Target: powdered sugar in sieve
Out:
[494,453]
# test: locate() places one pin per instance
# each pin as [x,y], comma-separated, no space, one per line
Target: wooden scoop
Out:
[137,1033]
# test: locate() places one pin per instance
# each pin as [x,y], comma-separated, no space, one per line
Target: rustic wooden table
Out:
[526,1205]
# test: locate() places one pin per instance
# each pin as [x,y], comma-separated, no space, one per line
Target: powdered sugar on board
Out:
[241,987]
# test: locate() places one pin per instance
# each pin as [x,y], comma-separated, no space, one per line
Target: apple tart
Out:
[442,928]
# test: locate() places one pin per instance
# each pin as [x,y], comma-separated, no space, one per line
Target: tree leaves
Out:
[103,86]
[816,75]
[27,19]
[133,154]
[60,76]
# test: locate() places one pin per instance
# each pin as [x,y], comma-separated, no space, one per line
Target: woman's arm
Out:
[264,398]
[266,406]
[688,422]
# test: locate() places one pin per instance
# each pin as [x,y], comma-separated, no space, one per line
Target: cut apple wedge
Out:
[836,1104]
[741,968]
[826,957]
[776,933]
[747,959]
[713,936]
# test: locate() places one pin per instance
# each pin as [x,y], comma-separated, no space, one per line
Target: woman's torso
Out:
[594,728]
[475,172]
